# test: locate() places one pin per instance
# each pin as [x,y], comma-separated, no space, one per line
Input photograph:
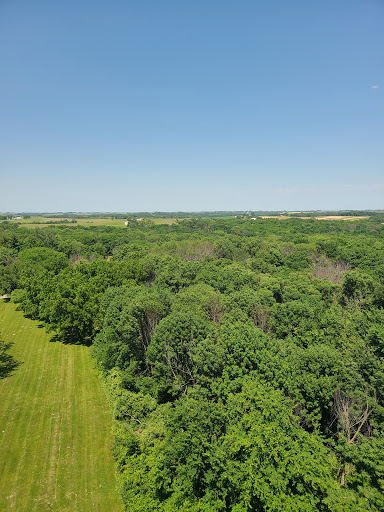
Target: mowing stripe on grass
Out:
[54,426]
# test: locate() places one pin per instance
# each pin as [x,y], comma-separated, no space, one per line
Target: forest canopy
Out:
[243,359]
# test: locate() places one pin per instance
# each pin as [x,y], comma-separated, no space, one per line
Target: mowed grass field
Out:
[55,427]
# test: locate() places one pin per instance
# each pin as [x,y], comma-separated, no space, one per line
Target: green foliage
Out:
[130,319]
[182,346]
[358,285]
[229,348]
[7,363]
[42,258]
[248,453]
[272,463]
[201,299]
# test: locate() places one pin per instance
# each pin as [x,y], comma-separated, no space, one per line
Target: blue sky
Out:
[146,105]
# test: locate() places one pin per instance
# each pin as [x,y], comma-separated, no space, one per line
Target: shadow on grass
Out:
[7,363]
[57,338]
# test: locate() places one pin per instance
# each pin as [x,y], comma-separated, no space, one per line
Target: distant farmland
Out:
[320,217]
[42,222]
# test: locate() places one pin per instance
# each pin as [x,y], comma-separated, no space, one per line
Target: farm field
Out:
[342,217]
[55,427]
[41,222]
[320,217]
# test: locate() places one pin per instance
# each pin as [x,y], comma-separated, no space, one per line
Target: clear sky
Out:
[146,105]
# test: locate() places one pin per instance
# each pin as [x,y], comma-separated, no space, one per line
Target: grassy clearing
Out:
[54,426]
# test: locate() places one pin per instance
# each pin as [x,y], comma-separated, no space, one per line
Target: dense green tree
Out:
[130,319]
[201,299]
[247,453]
[7,362]
[182,351]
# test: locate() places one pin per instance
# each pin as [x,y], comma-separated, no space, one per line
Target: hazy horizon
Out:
[172,212]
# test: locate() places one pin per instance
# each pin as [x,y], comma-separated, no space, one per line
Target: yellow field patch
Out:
[342,217]
[324,217]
